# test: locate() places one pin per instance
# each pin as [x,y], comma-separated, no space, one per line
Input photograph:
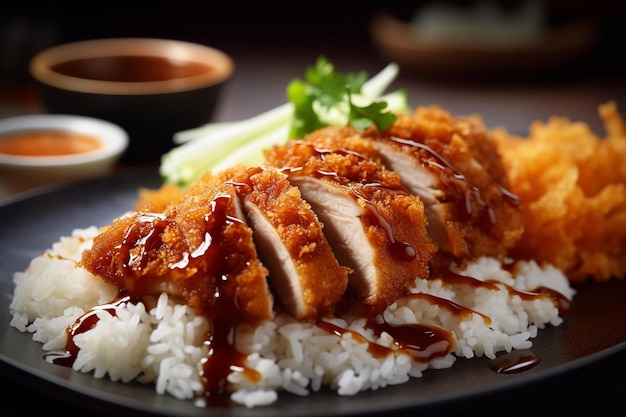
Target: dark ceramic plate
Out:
[593,333]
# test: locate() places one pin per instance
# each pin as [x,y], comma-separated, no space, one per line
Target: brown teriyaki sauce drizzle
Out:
[424,343]
[400,250]
[83,324]
[518,360]
[559,300]
[514,362]
[450,174]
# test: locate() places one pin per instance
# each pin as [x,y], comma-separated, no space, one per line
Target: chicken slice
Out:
[455,167]
[374,226]
[303,270]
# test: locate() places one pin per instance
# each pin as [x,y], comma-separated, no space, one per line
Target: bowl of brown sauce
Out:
[43,149]
[150,87]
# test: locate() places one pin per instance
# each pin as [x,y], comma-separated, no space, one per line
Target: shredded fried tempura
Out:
[572,185]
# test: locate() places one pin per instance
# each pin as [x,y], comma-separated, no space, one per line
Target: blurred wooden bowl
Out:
[556,48]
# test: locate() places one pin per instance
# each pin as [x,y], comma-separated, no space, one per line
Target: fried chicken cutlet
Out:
[453,165]
[374,225]
[199,250]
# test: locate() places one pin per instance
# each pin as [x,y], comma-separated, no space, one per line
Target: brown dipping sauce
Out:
[131,68]
[48,143]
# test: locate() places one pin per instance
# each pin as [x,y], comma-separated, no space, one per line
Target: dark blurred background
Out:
[272,42]
[278,37]
[29,25]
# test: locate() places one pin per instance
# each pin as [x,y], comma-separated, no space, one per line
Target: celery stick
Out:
[376,86]
[251,153]
[207,129]
[186,163]
[397,101]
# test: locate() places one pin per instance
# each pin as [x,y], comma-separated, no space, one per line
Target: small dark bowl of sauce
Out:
[37,150]
[150,87]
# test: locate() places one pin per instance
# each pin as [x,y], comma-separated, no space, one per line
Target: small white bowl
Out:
[20,172]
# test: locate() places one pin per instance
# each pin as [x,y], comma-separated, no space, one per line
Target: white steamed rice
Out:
[161,342]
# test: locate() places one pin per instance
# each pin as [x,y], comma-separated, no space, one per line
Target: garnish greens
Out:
[329,97]
[325,98]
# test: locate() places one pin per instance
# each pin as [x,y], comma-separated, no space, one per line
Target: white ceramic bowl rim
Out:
[221,63]
[114,139]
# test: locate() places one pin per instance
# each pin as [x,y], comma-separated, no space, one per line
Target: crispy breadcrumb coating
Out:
[303,270]
[198,250]
[392,222]
[474,211]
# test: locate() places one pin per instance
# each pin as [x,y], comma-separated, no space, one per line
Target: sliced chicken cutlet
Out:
[303,271]
[454,166]
[199,250]
[374,226]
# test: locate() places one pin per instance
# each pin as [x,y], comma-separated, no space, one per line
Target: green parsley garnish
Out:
[327,97]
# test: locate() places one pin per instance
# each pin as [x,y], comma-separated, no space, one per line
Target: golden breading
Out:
[392,224]
[572,185]
[463,182]
[196,251]
[303,270]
